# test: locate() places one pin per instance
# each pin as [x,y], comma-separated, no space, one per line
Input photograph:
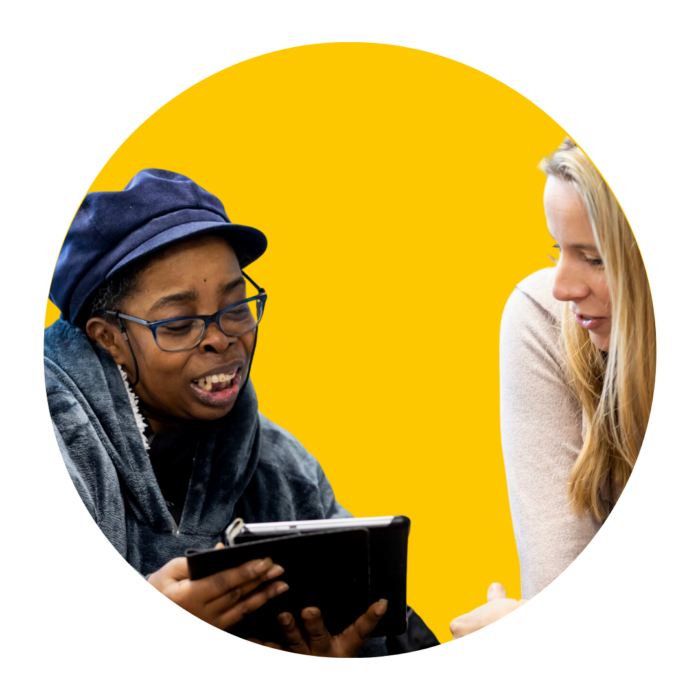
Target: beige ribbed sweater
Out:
[541,433]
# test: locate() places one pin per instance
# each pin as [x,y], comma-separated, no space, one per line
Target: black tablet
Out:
[341,566]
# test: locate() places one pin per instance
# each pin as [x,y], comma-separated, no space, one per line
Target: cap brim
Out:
[247,242]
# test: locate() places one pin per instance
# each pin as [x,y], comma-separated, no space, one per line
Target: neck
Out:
[160,424]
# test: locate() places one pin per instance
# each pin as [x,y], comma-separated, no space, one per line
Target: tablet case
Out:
[341,572]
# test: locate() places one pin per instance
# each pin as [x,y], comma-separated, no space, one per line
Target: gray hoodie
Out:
[245,465]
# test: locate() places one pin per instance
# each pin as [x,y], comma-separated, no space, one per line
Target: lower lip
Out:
[590,323]
[218,398]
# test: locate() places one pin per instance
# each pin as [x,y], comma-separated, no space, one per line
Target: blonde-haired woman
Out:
[578,359]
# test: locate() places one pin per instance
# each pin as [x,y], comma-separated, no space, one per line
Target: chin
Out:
[601,342]
[207,413]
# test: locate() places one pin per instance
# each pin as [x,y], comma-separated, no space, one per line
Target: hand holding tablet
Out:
[222,599]
[347,644]
[341,573]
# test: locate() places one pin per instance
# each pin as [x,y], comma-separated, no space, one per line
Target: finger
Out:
[496,590]
[295,639]
[230,598]
[360,630]
[216,585]
[175,571]
[219,545]
[482,616]
[320,640]
[272,645]
[506,606]
[250,603]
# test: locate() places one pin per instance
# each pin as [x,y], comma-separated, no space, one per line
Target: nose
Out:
[569,283]
[215,340]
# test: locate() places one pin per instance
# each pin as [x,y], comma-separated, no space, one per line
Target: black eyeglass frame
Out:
[153,326]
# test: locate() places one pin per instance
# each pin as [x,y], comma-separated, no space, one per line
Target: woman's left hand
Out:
[347,644]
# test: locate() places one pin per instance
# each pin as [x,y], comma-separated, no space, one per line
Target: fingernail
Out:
[276,570]
[285,618]
[310,612]
[282,587]
[380,606]
[263,565]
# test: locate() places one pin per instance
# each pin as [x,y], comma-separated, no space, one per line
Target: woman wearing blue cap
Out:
[147,375]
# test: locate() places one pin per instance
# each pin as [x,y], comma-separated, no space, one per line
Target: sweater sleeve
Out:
[541,433]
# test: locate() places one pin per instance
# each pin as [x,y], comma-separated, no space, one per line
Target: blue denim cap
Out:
[113,229]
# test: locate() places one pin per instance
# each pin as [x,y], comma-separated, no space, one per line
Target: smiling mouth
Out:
[214,383]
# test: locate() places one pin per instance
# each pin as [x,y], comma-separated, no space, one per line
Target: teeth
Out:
[222,378]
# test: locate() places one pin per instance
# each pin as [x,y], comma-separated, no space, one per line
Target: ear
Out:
[109,337]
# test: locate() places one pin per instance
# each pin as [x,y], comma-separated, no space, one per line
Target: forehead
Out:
[192,256]
[565,210]
[200,267]
[561,196]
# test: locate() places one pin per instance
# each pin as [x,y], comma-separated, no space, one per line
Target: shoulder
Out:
[532,311]
[290,480]
[531,319]
[66,349]
[534,293]
[282,450]
[80,396]
[61,336]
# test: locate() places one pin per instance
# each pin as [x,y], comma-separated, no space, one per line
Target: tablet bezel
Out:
[309,525]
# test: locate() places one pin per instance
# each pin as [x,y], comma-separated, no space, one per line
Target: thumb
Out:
[496,590]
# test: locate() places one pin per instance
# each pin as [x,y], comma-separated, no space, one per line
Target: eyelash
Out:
[593,262]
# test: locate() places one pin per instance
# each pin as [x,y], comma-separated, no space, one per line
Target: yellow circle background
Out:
[400,195]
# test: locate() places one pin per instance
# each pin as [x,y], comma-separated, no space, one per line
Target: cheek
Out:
[163,372]
[248,345]
[600,289]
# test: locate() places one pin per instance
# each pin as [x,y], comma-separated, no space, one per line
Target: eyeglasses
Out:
[186,332]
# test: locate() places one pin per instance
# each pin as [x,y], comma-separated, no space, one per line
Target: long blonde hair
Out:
[616,391]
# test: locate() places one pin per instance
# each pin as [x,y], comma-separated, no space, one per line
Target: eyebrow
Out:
[230,286]
[190,295]
[578,246]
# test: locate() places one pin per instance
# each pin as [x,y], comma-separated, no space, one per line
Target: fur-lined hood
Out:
[133,400]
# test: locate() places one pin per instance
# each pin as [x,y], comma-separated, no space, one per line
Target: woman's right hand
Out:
[498,606]
[222,599]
